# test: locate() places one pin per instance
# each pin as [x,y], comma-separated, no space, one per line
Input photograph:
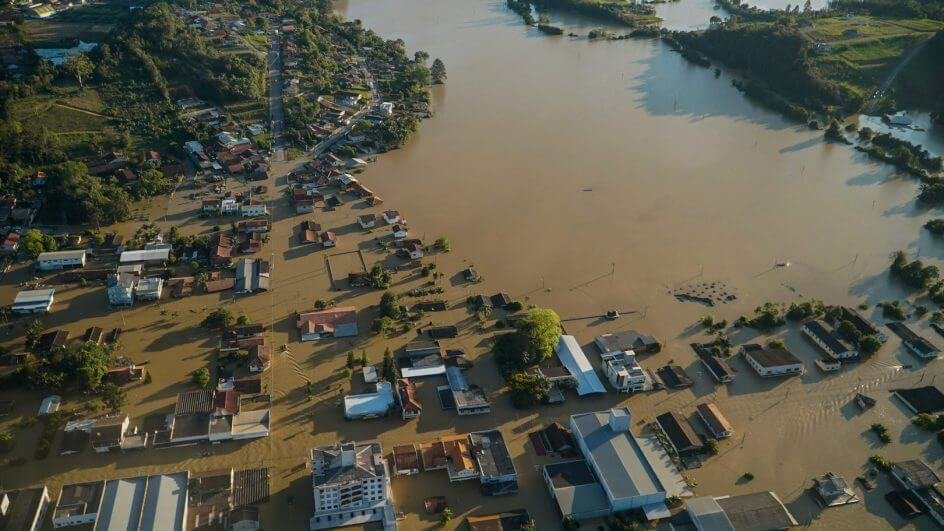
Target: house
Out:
[391,217]
[414,251]
[573,358]
[155,257]
[422,358]
[60,260]
[624,372]
[367,221]
[335,322]
[328,239]
[718,367]
[410,406]
[23,509]
[674,377]
[826,339]
[628,340]
[304,205]
[497,474]
[771,362]
[229,205]
[120,290]
[370,405]
[442,332]
[760,510]
[30,301]
[210,206]
[406,460]
[399,232]
[52,341]
[717,424]
[221,250]
[149,288]
[253,210]
[252,275]
[625,472]
[466,398]
[917,344]
[679,433]
[707,515]
[260,358]
[386,108]
[927,399]
[109,432]
[833,490]
[923,483]
[350,486]
[125,374]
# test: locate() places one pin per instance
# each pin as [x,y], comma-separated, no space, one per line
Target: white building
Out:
[120,289]
[149,289]
[351,486]
[624,373]
[573,358]
[33,301]
[370,405]
[145,256]
[253,210]
[60,260]
[25,509]
[825,338]
[772,362]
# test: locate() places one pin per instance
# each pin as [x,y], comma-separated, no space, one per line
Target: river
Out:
[594,175]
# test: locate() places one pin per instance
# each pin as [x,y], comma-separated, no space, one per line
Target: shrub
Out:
[201,377]
[881,463]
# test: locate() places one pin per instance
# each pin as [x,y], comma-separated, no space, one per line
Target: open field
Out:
[88,23]
[841,29]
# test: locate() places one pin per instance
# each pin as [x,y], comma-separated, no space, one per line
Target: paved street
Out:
[276,111]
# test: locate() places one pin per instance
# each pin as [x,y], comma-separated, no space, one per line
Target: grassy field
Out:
[87,23]
[248,112]
[73,118]
[841,29]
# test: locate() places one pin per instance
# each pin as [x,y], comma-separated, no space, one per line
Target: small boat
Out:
[612,315]
[864,402]
[782,264]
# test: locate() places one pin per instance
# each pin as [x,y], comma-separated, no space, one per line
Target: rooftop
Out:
[491,453]
[772,357]
[821,331]
[345,462]
[628,340]
[624,469]
[761,511]
[574,359]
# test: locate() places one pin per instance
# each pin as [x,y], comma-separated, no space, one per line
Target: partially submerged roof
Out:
[760,511]
[706,513]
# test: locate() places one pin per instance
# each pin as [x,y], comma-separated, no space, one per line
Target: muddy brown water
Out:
[578,175]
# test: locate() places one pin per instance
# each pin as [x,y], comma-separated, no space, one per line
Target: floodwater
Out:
[577,175]
[922,132]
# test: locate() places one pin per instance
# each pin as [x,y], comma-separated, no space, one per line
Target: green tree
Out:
[388,367]
[570,523]
[242,320]
[218,319]
[384,325]
[711,446]
[80,66]
[438,72]
[7,441]
[380,276]
[528,388]
[350,359]
[113,396]
[542,329]
[35,242]
[443,244]
[869,344]
[201,377]
[33,332]
[445,517]
[321,304]
[420,56]
[388,305]
[848,331]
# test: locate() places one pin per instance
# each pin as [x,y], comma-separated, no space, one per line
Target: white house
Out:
[228,205]
[399,232]
[120,289]
[33,301]
[624,373]
[60,260]
[386,108]
[391,217]
[253,210]
[367,221]
[771,362]
[826,339]
[415,251]
[149,289]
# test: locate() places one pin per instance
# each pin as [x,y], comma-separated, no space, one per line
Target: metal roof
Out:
[144,255]
[573,357]
[616,456]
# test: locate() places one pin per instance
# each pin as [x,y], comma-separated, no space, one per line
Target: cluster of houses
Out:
[44,10]
[248,340]
[228,153]
[683,439]
[310,184]
[215,415]
[222,29]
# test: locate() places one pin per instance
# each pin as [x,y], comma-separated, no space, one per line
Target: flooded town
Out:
[414,265]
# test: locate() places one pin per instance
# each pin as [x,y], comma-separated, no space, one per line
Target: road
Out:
[887,83]
[276,109]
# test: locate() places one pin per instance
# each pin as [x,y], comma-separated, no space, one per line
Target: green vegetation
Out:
[881,462]
[443,244]
[935,226]
[882,432]
[218,319]
[913,274]
[380,276]
[527,389]
[767,317]
[711,446]
[929,422]
[388,367]
[805,310]
[35,242]
[445,517]
[201,377]
[7,441]
[893,310]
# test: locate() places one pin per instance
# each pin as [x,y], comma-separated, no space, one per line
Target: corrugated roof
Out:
[573,357]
